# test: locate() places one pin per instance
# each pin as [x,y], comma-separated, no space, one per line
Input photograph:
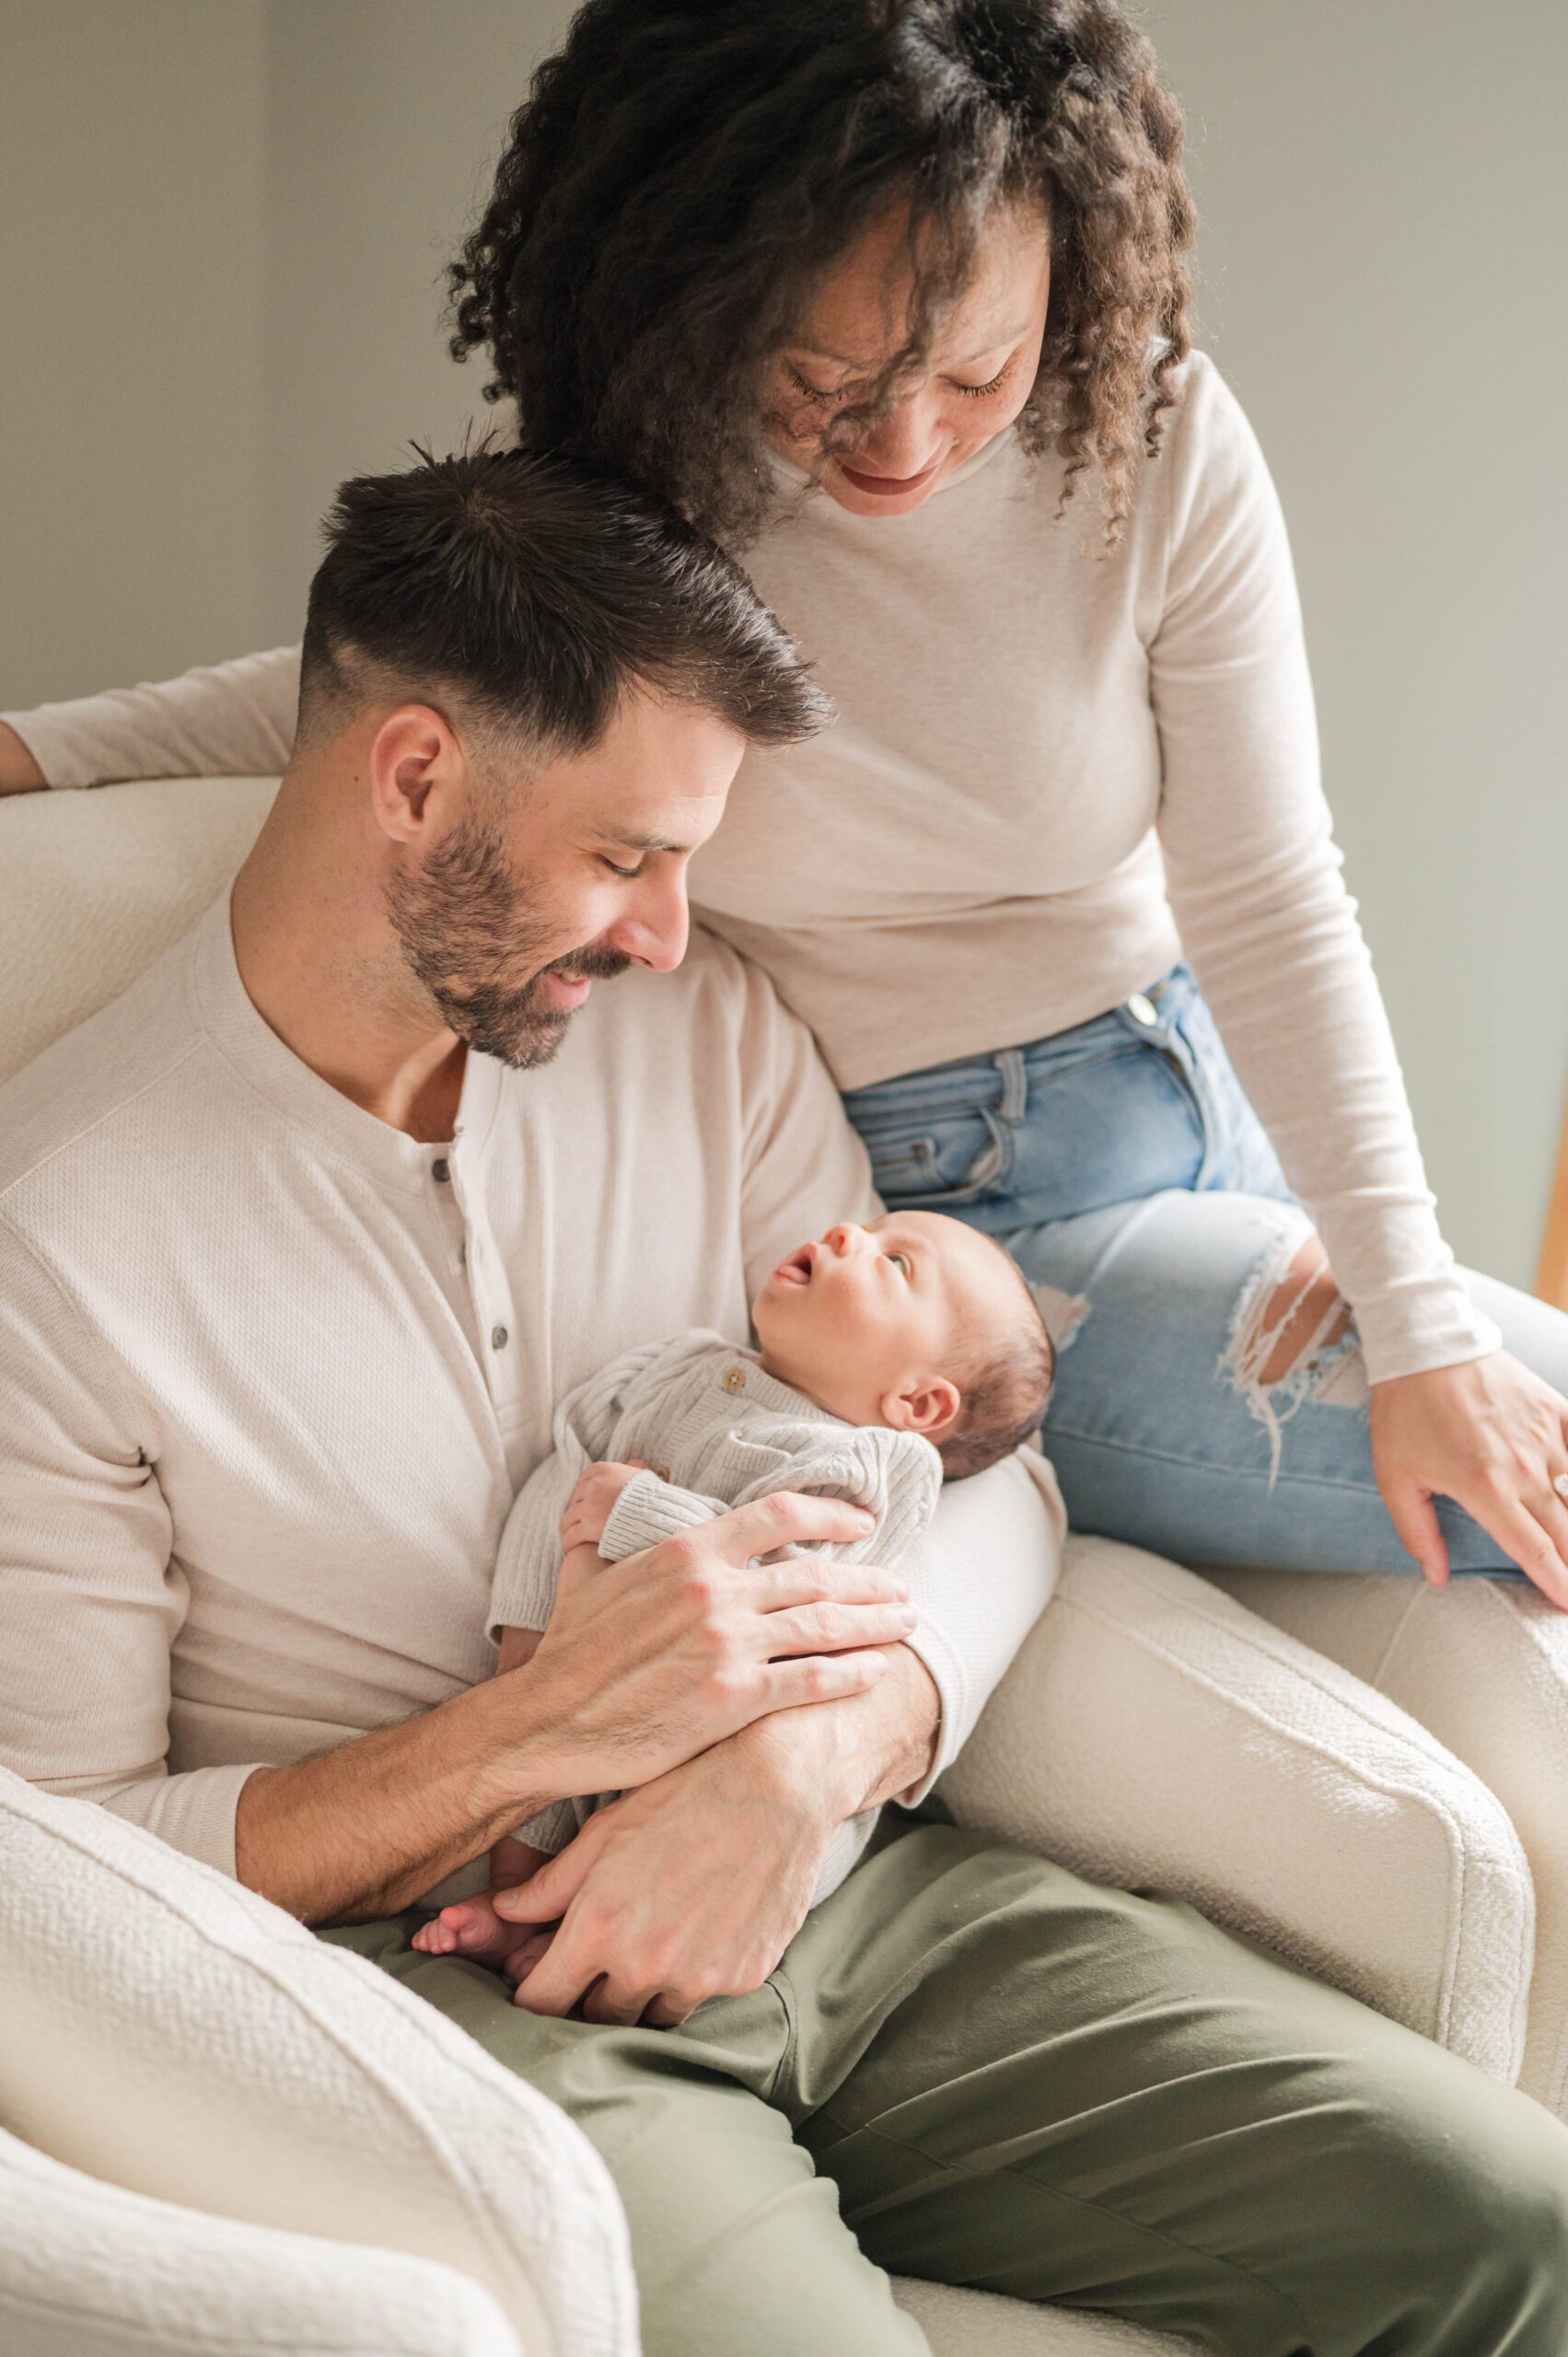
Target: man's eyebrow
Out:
[842,360]
[625,841]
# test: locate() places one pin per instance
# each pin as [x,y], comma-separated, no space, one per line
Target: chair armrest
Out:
[88,2266]
[1154,1733]
[1482,1663]
[171,2032]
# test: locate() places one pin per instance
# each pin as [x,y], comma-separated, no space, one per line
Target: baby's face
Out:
[872,1315]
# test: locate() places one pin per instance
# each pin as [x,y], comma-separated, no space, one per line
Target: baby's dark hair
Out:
[1006,1391]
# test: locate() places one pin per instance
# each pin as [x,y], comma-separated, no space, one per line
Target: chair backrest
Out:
[94,885]
[167,2031]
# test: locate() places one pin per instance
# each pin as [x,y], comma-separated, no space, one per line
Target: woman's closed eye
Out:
[979,392]
[814,393]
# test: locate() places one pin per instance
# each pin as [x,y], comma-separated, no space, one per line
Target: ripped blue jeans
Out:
[1123,1169]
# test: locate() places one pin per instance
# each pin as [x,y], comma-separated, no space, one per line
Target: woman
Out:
[892,297]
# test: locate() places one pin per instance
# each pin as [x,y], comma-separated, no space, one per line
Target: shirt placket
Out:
[491,1322]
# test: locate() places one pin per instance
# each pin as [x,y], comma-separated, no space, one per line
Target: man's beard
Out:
[464,924]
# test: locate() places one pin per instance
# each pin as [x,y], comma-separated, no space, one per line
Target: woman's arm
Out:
[1256,885]
[1255,881]
[226,720]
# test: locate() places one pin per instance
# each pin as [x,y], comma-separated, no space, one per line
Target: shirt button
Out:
[1141,1009]
[661,1472]
[441,1171]
[735,1378]
[498,1338]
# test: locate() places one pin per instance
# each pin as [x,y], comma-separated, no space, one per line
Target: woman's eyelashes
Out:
[843,392]
[979,392]
[814,393]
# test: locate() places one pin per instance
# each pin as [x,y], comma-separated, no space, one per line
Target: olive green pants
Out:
[973,2066]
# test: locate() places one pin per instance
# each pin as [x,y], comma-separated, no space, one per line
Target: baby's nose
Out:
[838,1240]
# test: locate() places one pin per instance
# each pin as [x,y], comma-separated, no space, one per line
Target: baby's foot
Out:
[470,1927]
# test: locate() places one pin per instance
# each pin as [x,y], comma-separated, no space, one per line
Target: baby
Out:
[892,1357]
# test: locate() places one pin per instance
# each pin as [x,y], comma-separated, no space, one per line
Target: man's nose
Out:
[655,930]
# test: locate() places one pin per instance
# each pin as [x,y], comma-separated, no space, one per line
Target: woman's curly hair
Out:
[683,171]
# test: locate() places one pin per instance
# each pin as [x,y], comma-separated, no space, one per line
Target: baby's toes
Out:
[435,1938]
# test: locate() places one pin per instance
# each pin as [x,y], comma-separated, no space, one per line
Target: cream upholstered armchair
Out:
[218,2135]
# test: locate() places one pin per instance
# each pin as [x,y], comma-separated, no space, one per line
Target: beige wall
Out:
[235,218]
[132,240]
[1383,187]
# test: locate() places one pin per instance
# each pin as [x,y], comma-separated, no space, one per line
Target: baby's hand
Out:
[593,1502]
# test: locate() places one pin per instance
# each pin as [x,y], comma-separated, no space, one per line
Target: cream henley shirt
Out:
[271,1372]
[1051,774]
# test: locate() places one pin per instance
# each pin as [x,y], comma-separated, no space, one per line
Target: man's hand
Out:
[20,773]
[691,1887]
[1493,1437]
[594,1501]
[694,1887]
[647,1662]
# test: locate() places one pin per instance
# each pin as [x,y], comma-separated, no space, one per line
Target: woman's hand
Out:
[648,1662]
[20,773]
[1491,1437]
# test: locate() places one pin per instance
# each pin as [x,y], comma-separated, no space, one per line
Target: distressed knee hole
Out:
[1305,1312]
[1292,1338]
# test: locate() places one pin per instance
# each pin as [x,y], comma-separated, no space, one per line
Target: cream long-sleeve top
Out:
[715,1429]
[1053,773]
[271,1372]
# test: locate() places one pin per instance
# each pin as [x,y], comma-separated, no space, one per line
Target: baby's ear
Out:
[932,1406]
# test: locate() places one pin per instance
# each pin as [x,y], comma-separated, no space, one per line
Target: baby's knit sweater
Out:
[716,1432]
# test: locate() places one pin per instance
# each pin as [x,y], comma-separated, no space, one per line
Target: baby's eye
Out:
[901,1260]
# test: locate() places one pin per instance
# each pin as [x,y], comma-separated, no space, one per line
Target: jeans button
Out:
[1142,1009]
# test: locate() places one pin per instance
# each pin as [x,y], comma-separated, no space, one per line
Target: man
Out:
[299,1243]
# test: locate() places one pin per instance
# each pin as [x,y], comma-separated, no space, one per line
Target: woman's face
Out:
[978,377]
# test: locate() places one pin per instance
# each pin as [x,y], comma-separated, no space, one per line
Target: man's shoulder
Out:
[138,1046]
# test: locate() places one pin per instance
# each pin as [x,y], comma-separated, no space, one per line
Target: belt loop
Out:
[1015,1086]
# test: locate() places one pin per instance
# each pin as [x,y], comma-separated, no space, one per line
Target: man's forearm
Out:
[361,1832]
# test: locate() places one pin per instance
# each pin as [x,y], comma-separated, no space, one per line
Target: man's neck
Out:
[314,952]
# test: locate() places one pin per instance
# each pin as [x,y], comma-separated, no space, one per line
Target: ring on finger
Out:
[1560,1485]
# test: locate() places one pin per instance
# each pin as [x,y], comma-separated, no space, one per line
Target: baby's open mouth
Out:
[796,1270]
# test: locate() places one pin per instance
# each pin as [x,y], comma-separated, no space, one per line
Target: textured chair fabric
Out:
[187,2065]
[171,2032]
[88,2270]
[1151,1731]
[1482,1663]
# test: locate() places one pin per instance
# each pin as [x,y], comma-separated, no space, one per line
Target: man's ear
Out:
[932,1406]
[414,761]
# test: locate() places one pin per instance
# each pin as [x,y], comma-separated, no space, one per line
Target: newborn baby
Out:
[894,1356]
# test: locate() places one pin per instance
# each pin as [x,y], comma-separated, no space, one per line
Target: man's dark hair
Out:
[531,592]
